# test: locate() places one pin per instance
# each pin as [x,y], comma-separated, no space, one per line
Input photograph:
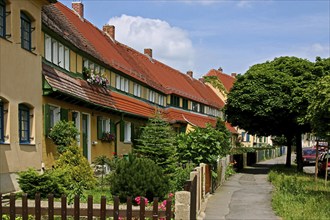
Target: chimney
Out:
[110,30]
[190,73]
[234,74]
[220,69]
[78,7]
[148,52]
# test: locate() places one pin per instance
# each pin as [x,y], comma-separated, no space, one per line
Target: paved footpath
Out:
[245,195]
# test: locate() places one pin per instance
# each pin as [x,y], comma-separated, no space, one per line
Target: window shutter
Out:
[122,130]
[132,132]
[46,119]
[99,127]
[112,127]
[64,114]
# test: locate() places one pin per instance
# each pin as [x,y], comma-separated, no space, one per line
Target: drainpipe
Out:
[122,118]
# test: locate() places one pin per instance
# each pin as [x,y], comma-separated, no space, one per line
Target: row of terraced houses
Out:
[56,65]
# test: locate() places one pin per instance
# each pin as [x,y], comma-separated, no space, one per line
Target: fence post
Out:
[203,177]
[182,205]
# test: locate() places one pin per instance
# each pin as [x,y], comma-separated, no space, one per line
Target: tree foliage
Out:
[319,108]
[63,134]
[270,99]
[138,177]
[50,182]
[76,167]
[203,145]
[157,142]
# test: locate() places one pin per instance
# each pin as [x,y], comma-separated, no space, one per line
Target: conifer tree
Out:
[157,142]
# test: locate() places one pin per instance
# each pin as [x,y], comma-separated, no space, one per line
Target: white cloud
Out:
[201,2]
[244,4]
[170,45]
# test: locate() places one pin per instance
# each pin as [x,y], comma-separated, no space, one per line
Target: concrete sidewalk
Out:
[245,195]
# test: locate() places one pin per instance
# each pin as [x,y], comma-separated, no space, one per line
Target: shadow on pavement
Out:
[257,169]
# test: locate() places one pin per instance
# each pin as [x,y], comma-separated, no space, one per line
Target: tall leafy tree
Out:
[157,142]
[204,145]
[269,99]
[319,108]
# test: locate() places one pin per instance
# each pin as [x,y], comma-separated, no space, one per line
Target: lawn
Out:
[298,196]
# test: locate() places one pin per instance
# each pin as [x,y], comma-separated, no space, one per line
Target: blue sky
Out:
[200,35]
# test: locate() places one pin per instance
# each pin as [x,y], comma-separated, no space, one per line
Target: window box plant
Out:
[108,137]
[95,78]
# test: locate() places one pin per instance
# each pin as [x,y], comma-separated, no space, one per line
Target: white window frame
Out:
[161,99]
[77,125]
[55,115]
[55,52]
[48,48]
[137,90]
[105,123]
[61,55]
[67,58]
[152,96]
[122,83]
[128,132]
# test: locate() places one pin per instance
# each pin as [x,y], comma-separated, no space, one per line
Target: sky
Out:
[201,35]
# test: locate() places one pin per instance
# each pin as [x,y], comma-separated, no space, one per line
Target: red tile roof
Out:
[153,73]
[177,115]
[94,94]
[231,128]
[206,92]
[80,89]
[227,80]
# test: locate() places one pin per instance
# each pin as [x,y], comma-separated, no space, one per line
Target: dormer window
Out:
[175,101]
[57,53]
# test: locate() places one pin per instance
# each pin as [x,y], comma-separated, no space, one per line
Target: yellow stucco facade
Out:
[20,84]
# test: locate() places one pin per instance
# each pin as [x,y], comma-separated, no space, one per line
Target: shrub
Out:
[157,142]
[181,175]
[63,134]
[50,182]
[135,177]
[76,167]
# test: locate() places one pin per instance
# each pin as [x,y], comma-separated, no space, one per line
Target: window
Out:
[247,137]
[26,31]
[121,83]
[48,48]
[160,100]
[2,124]
[24,123]
[152,96]
[195,107]
[54,115]
[243,136]
[76,121]
[128,132]
[185,103]
[175,101]
[54,52]
[2,18]
[202,110]
[57,53]
[61,55]
[105,129]
[137,90]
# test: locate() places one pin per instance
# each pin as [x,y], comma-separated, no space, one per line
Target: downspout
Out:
[121,119]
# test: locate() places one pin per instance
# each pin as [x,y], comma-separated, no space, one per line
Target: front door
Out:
[85,134]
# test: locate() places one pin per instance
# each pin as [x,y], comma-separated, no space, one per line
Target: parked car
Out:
[309,155]
[322,163]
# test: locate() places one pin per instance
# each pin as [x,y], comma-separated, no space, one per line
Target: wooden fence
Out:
[191,186]
[77,211]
